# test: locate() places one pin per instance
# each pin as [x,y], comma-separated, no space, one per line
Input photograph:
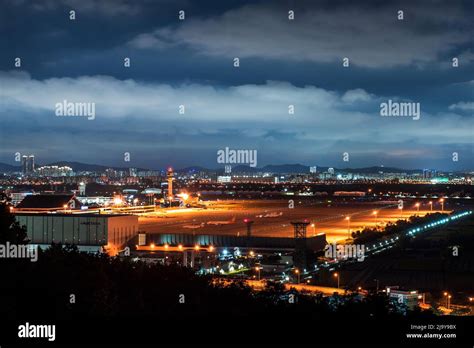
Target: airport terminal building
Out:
[88,231]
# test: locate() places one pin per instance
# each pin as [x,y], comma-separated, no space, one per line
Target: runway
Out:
[272,218]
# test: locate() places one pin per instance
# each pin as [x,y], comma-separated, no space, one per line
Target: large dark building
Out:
[49,203]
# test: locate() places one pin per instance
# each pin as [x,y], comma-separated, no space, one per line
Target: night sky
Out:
[282,62]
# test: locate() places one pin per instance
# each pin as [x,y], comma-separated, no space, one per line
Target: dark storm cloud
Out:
[370,37]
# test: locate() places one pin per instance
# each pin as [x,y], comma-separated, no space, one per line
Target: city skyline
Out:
[6,167]
[282,63]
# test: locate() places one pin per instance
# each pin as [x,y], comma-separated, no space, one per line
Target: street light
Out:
[375,215]
[422,297]
[258,272]
[447,299]
[417,205]
[348,227]
[442,204]
[314,228]
[431,205]
[297,271]
[337,276]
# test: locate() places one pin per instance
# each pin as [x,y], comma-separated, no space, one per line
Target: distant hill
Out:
[7,168]
[286,168]
[85,167]
[193,169]
[377,169]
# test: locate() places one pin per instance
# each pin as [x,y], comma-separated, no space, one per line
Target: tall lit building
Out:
[24,161]
[132,172]
[82,189]
[54,171]
[170,175]
[28,164]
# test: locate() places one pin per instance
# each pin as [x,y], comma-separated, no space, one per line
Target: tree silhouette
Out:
[10,229]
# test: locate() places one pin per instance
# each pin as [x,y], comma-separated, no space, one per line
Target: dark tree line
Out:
[67,284]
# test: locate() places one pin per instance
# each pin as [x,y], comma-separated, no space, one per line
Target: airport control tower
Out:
[170,175]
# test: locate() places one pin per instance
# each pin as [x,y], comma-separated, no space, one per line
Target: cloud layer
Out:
[325,123]
[370,36]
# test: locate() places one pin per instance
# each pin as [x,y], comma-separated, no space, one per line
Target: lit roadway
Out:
[334,220]
[325,290]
